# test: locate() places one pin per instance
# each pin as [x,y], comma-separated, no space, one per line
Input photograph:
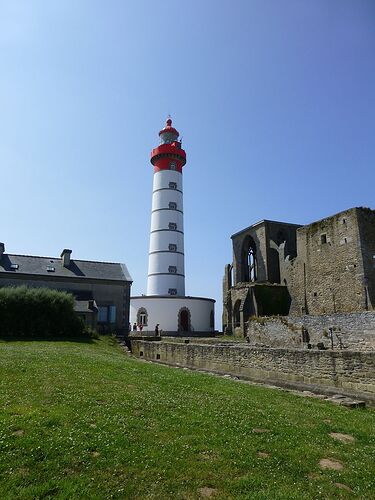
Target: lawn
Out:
[84,420]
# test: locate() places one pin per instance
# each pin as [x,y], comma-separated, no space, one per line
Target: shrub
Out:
[38,313]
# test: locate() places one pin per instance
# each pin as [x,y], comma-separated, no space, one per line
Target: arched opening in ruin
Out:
[249,260]
[237,314]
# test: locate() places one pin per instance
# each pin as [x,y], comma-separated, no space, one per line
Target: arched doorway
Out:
[184,324]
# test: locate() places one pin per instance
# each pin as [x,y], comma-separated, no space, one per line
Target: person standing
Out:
[157,332]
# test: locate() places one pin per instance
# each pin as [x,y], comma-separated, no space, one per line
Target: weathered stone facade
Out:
[252,285]
[326,267]
[347,372]
[334,269]
[354,331]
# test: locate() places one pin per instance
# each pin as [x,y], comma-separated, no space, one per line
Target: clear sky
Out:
[275,101]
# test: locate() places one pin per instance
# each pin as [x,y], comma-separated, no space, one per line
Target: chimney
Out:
[2,250]
[65,257]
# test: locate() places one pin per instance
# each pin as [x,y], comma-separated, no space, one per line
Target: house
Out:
[101,289]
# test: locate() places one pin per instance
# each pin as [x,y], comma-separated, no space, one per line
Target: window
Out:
[172,205]
[112,314]
[315,294]
[172,185]
[323,239]
[249,266]
[172,247]
[172,269]
[172,291]
[172,165]
[142,316]
[344,221]
[142,319]
[50,269]
[14,266]
[107,314]
[172,226]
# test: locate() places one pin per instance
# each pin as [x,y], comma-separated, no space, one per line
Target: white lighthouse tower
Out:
[166,269]
[166,303]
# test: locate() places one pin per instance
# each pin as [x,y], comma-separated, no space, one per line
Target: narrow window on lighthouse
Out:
[172,205]
[172,247]
[172,185]
[172,269]
[172,226]
[172,291]
[172,165]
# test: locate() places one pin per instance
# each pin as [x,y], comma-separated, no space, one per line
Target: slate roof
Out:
[37,266]
[83,306]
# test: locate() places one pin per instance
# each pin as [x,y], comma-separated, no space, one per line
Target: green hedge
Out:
[38,313]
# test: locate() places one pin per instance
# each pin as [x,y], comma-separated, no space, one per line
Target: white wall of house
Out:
[167,310]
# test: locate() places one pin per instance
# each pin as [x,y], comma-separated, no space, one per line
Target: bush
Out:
[38,313]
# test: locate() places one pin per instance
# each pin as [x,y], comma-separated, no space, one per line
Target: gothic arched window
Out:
[252,264]
[249,264]
[142,316]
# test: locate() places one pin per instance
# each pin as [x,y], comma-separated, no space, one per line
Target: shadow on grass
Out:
[82,340]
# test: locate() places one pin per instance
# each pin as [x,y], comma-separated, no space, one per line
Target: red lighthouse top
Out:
[168,131]
[169,155]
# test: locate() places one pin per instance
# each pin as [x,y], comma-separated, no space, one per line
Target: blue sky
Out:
[275,101]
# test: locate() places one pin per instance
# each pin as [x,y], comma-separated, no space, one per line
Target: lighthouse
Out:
[166,269]
[165,303]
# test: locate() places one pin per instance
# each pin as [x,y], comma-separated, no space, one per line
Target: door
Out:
[184,320]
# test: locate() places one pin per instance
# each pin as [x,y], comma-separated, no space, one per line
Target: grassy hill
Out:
[83,420]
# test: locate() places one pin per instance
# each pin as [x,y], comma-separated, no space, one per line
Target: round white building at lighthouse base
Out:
[183,316]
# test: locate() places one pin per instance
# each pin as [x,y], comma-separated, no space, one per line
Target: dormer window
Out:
[14,266]
[50,269]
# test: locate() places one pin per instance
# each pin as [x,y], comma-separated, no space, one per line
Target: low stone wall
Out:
[346,372]
[354,331]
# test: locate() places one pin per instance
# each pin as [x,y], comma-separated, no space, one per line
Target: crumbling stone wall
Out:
[354,331]
[242,297]
[348,372]
[327,267]
[327,275]
[366,227]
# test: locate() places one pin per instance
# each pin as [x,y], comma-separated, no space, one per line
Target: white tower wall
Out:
[166,269]
[166,311]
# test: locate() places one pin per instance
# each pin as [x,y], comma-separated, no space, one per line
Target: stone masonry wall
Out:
[366,224]
[348,372]
[350,331]
[329,275]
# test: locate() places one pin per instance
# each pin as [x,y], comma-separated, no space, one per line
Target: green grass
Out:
[83,420]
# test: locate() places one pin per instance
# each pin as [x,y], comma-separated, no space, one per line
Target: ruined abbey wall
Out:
[327,276]
[354,331]
[346,372]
